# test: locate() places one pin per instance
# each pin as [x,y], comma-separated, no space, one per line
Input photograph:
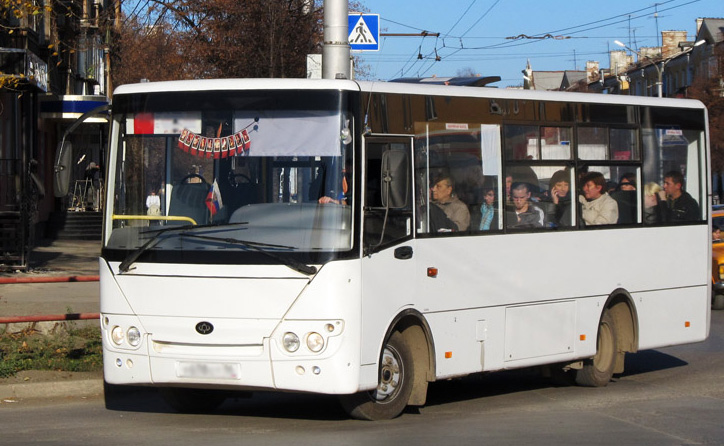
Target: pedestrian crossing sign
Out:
[364,32]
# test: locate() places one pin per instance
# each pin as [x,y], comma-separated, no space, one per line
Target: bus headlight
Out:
[117,335]
[315,342]
[134,336]
[290,342]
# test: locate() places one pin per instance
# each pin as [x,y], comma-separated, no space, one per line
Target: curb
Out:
[52,389]
[48,279]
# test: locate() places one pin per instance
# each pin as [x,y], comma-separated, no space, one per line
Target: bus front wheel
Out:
[597,372]
[394,387]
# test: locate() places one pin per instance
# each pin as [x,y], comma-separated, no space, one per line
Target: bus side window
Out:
[457,164]
[673,167]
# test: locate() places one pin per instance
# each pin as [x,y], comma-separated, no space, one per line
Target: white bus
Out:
[265,235]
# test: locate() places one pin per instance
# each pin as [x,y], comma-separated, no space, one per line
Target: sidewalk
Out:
[61,258]
[52,260]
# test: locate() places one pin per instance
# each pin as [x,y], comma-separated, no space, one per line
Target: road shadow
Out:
[258,404]
[650,361]
[327,408]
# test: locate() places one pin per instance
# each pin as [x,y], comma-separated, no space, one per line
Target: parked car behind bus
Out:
[717,261]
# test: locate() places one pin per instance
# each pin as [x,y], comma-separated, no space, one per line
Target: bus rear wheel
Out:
[598,371]
[192,400]
[394,387]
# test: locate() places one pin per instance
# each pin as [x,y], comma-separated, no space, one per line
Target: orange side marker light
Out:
[583,337]
[432,272]
[687,324]
[448,355]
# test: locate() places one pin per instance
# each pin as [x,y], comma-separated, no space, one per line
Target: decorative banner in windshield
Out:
[237,144]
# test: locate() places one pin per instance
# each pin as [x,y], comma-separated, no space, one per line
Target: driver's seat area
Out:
[189,200]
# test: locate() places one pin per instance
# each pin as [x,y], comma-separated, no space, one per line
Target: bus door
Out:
[388,226]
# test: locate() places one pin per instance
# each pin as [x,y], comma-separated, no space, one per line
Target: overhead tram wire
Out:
[460,18]
[437,58]
[419,50]
[457,50]
[605,23]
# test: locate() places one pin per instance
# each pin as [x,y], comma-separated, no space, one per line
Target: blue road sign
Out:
[364,32]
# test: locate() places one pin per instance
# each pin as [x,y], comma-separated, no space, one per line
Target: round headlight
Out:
[315,342]
[117,335]
[134,336]
[290,342]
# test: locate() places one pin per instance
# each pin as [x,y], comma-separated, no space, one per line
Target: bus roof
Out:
[520,94]
[237,84]
[399,88]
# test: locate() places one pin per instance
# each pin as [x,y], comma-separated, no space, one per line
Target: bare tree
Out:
[182,39]
[710,91]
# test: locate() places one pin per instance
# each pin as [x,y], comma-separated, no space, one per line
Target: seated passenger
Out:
[597,207]
[680,206]
[524,213]
[653,207]
[560,195]
[455,210]
[628,181]
[485,216]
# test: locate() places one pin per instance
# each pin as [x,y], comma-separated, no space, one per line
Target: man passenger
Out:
[524,214]
[597,207]
[680,206]
[455,210]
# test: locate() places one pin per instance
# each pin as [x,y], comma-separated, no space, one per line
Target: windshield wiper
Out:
[257,246]
[153,241]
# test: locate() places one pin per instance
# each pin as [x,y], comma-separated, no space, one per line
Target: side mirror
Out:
[61,179]
[64,153]
[395,179]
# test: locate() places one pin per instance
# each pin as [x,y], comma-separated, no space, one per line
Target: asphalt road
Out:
[670,396]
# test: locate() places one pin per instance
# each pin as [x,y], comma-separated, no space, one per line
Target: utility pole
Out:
[335,51]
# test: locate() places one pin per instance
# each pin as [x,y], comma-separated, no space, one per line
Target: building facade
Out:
[53,68]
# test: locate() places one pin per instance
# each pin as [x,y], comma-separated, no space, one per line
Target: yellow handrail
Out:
[154,218]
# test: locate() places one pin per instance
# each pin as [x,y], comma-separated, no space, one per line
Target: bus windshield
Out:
[233,171]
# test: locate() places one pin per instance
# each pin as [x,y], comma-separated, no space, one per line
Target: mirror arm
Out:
[58,167]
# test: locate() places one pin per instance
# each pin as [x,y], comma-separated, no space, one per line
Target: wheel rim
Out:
[390,380]
[604,354]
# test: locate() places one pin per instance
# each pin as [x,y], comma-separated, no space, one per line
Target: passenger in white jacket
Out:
[597,207]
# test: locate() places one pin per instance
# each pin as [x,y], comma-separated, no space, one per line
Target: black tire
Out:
[192,400]
[392,394]
[597,371]
[717,302]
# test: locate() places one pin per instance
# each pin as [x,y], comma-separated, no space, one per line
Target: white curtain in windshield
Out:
[290,133]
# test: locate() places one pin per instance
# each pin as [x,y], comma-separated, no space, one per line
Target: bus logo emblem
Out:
[204,328]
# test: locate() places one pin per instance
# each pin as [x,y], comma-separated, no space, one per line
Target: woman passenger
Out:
[653,207]
[560,195]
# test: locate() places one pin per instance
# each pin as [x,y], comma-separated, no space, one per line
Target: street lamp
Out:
[659,71]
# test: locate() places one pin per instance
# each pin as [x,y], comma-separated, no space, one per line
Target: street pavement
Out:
[35,292]
[55,258]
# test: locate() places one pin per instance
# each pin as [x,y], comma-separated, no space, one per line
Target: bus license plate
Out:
[212,370]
